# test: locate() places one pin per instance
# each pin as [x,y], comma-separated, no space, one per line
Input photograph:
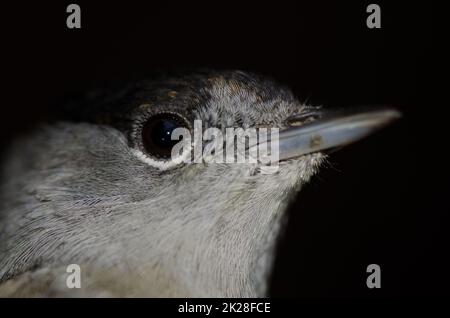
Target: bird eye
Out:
[157,132]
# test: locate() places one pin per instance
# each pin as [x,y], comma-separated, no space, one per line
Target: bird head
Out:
[105,191]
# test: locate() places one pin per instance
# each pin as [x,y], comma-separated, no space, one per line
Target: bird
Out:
[97,188]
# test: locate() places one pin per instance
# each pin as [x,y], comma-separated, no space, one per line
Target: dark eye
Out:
[157,132]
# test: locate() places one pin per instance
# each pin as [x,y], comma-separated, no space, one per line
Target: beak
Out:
[328,130]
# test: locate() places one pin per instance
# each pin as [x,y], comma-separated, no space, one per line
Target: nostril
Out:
[304,118]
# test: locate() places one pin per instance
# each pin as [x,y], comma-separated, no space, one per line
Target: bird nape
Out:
[101,189]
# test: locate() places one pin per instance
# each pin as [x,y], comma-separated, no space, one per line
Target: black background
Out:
[381,201]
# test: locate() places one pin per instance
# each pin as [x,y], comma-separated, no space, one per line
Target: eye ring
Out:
[154,138]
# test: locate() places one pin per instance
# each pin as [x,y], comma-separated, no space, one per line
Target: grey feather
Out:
[75,192]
